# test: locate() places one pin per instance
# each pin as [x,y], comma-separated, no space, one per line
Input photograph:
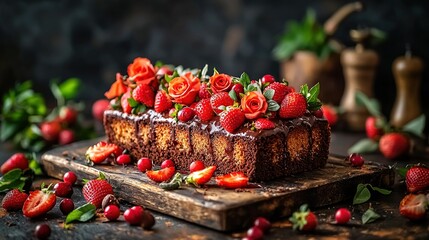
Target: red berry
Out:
[70,177]
[330,114]
[66,206]
[318,113]
[186,114]
[280,91]
[68,115]
[417,179]
[162,102]
[373,128]
[134,215]
[17,160]
[262,223]
[232,119]
[95,190]
[342,216]
[123,159]
[264,123]
[255,233]
[144,164]
[204,110]
[66,136]
[143,94]
[42,231]
[167,163]
[394,145]
[196,166]
[238,88]
[112,212]
[14,200]
[98,108]
[50,130]
[220,99]
[63,189]
[293,105]
[268,79]
[204,92]
[356,160]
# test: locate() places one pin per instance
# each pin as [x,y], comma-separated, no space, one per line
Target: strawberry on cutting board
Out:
[14,200]
[39,202]
[95,190]
[101,151]
[161,175]
[232,180]
[304,219]
[413,206]
[417,179]
[201,177]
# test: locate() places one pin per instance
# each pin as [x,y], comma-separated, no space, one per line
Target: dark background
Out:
[92,40]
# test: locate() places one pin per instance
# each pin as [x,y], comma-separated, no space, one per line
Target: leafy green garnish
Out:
[363,193]
[12,179]
[83,213]
[364,146]
[370,216]
[416,126]
[311,95]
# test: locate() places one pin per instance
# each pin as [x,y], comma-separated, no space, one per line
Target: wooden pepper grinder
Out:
[359,66]
[407,71]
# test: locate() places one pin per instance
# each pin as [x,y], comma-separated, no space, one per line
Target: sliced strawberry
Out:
[144,94]
[232,180]
[293,105]
[413,206]
[220,99]
[304,219]
[39,202]
[204,110]
[95,190]
[14,200]
[263,123]
[232,119]
[201,177]
[162,102]
[101,151]
[161,175]
[126,107]
[417,179]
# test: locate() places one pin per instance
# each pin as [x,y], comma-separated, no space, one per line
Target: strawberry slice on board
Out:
[201,177]
[413,206]
[161,175]
[101,151]
[232,180]
[39,202]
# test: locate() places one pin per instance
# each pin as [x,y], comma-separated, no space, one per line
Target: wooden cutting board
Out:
[219,208]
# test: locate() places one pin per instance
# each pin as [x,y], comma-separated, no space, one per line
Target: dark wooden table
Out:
[390,226]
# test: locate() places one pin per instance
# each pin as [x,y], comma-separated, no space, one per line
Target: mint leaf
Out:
[402,171]
[381,190]
[82,213]
[233,95]
[273,106]
[370,216]
[12,179]
[244,80]
[314,93]
[362,194]
[35,166]
[269,94]
[365,145]
[133,103]
[69,88]
[372,105]
[12,175]
[416,126]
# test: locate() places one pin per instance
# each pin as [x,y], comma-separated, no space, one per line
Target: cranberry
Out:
[42,231]
[50,130]
[238,88]
[148,220]
[262,223]
[66,136]
[66,206]
[167,163]
[268,79]
[70,177]
[255,233]
[123,159]
[356,160]
[134,215]
[196,166]
[144,164]
[63,189]
[112,212]
[186,114]
[98,108]
[342,216]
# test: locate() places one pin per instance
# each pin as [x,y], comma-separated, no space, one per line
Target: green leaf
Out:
[244,80]
[57,94]
[215,71]
[204,71]
[370,216]
[416,126]
[35,166]
[12,179]
[372,105]
[381,190]
[273,105]
[12,175]
[133,103]
[314,93]
[362,194]
[82,213]
[365,145]
[402,171]
[233,95]
[269,94]
[159,64]
[69,88]
[7,130]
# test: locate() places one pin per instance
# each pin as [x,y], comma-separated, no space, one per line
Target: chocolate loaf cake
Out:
[293,146]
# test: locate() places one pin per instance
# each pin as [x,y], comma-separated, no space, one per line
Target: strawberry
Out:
[232,180]
[220,99]
[39,202]
[330,114]
[126,108]
[14,200]
[372,128]
[232,119]
[394,145]
[164,70]
[101,151]
[68,115]
[50,130]
[186,114]
[201,177]
[98,108]
[95,190]
[293,105]
[204,110]
[417,179]
[17,160]
[238,89]
[280,91]
[143,94]
[162,102]
[66,136]
[413,206]
[304,219]
[204,92]
[263,123]
[268,79]
[161,175]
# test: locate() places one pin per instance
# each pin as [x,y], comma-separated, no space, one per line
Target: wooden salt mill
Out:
[359,65]
[407,71]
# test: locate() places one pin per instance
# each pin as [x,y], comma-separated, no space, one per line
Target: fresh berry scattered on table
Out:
[112,212]
[39,202]
[134,215]
[413,206]
[304,219]
[101,151]
[123,159]
[342,216]
[232,180]
[95,190]
[394,145]
[144,164]
[167,163]
[70,178]
[161,175]
[356,160]
[14,200]
[63,189]
[201,177]
[196,166]
[66,206]
[42,231]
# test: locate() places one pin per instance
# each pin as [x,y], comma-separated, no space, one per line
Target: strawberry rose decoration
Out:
[117,89]
[184,89]
[141,71]
[220,83]
[254,105]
